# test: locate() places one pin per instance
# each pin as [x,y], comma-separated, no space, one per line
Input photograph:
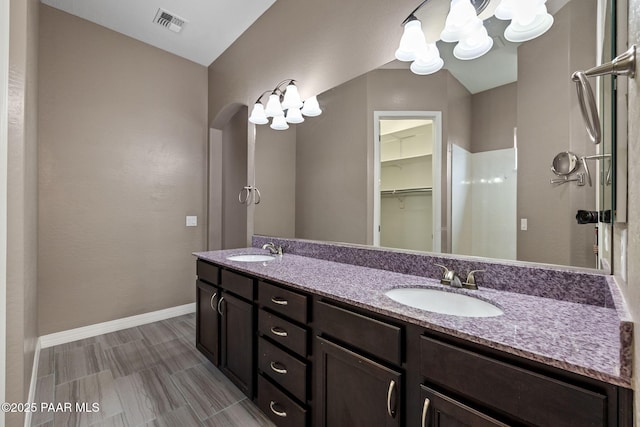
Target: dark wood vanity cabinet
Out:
[358,379]
[207,321]
[225,323]
[463,385]
[307,360]
[283,355]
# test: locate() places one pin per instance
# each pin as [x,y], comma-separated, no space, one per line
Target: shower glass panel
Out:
[483,199]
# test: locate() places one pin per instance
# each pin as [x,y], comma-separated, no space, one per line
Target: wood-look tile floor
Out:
[150,375]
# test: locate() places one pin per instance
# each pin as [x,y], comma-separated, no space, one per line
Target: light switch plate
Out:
[523,224]
[192,221]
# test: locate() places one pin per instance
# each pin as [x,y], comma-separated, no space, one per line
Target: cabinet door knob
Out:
[276,330]
[392,387]
[220,306]
[425,410]
[277,370]
[279,301]
[275,411]
[211,302]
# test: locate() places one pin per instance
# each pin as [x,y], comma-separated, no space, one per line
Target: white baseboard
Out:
[114,325]
[34,380]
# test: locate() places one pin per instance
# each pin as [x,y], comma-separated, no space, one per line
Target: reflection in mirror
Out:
[501,129]
[564,163]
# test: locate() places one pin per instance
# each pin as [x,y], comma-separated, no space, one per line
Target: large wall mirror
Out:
[459,161]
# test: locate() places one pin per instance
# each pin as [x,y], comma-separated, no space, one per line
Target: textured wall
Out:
[494,115]
[122,161]
[22,202]
[631,288]
[323,44]
[549,122]
[276,179]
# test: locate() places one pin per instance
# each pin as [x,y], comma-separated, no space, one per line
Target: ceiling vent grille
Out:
[169,20]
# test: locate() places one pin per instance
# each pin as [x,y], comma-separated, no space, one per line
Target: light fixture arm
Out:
[278,89]
[261,95]
[480,6]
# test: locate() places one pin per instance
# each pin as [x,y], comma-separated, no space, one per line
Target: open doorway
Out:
[407,203]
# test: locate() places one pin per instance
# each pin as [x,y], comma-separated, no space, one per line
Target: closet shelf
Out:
[401,159]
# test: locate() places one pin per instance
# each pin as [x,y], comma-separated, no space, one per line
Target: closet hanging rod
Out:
[406,191]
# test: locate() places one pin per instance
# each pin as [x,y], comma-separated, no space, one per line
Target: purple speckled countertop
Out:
[584,338]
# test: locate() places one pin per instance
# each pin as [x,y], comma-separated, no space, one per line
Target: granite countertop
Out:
[579,338]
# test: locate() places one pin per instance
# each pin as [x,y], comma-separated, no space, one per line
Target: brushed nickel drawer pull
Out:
[392,386]
[278,413]
[276,330]
[211,302]
[277,370]
[279,301]
[220,306]
[425,410]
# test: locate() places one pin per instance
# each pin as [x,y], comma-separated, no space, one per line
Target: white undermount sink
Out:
[251,258]
[443,302]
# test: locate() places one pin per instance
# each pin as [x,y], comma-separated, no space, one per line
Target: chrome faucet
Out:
[451,278]
[273,248]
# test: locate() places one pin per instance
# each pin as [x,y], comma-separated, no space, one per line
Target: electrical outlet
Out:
[523,224]
[192,221]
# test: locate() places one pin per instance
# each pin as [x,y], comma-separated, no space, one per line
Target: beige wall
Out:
[494,115]
[314,37]
[631,287]
[234,178]
[275,155]
[549,121]
[22,202]
[331,167]
[122,161]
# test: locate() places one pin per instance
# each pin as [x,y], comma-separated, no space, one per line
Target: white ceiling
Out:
[211,25]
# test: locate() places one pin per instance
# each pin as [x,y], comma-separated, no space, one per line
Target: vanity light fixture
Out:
[284,106]
[529,19]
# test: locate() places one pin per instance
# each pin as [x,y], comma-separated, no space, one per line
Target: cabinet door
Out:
[439,410]
[207,325]
[355,391]
[237,342]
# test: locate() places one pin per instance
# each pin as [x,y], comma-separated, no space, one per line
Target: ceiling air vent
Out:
[169,20]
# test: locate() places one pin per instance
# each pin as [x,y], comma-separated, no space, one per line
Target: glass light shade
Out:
[294,116]
[258,116]
[517,33]
[279,123]
[529,19]
[412,39]
[311,108]
[474,44]
[291,98]
[428,60]
[461,14]
[274,109]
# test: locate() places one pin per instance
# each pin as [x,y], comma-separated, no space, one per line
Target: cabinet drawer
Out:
[283,368]
[373,336]
[528,396]
[289,303]
[208,272]
[238,284]
[439,410]
[283,332]
[280,409]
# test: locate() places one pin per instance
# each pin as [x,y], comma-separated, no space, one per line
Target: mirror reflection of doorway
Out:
[405,182]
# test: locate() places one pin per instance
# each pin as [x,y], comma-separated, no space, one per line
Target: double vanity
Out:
[337,335]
